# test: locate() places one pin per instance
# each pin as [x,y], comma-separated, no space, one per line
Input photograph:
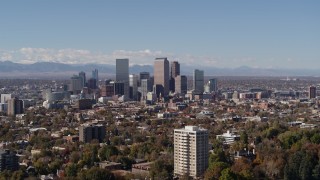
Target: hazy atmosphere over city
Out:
[160,90]
[223,34]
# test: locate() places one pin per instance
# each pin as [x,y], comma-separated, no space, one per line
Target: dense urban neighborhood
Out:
[160,125]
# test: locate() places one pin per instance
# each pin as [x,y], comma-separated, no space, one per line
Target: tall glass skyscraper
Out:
[198,81]
[122,74]
[95,75]
[82,75]
[133,82]
[212,85]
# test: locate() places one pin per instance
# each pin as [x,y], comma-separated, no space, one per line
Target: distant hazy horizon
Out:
[259,34]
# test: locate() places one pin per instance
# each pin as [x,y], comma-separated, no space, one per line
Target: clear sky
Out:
[225,33]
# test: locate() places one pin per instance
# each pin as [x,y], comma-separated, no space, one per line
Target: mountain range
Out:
[12,68]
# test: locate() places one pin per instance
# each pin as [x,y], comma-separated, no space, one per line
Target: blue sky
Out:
[270,33]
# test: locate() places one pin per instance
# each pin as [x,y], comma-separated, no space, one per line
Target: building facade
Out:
[107,90]
[191,151]
[181,84]
[198,81]
[161,76]
[175,71]
[83,104]
[144,75]
[122,74]
[8,161]
[15,106]
[119,88]
[95,75]
[212,83]
[133,83]
[82,75]
[76,84]
[145,88]
[88,132]
[92,83]
[312,92]
[5,98]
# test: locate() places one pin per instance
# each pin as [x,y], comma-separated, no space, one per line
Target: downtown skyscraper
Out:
[82,75]
[95,75]
[122,75]
[133,82]
[198,81]
[161,76]
[175,71]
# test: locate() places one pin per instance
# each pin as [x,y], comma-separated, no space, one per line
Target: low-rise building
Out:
[8,161]
[229,137]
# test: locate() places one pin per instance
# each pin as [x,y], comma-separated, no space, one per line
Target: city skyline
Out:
[269,34]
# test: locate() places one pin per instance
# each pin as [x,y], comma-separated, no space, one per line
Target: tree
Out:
[162,169]
[74,157]
[107,151]
[41,167]
[316,171]
[244,137]
[125,161]
[291,170]
[96,173]
[18,175]
[55,165]
[215,169]
[227,174]
[71,170]
[306,166]
[315,138]
[218,156]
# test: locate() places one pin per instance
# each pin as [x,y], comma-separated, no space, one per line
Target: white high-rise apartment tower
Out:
[191,151]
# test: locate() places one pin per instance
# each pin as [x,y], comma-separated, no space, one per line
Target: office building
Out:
[144,75]
[88,132]
[145,88]
[15,106]
[107,90]
[107,81]
[95,75]
[55,96]
[76,84]
[312,92]
[3,107]
[198,81]
[5,98]
[119,88]
[151,97]
[181,84]
[82,75]
[92,83]
[122,75]
[8,161]
[161,76]
[175,71]
[191,151]
[212,83]
[133,83]
[83,104]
